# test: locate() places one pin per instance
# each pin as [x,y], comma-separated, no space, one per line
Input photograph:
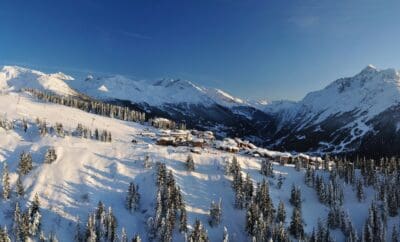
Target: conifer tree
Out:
[183,220]
[6,189]
[296,225]
[4,236]
[280,181]
[136,238]
[395,234]
[91,229]
[124,237]
[17,222]
[25,163]
[24,226]
[147,162]
[392,203]
[190,163]
[281,216]
[78,231]
[19,186]
[360,191]
[295,197]
[267,168]
[96,134]
[132,198]
[50,156]
[215,214]
[198,234]
[25,125]
[35,216]
[111,225]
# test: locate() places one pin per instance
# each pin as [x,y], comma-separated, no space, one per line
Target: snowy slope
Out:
[87,171]
[15,78]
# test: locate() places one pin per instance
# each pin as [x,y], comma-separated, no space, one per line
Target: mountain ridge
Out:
[334,119]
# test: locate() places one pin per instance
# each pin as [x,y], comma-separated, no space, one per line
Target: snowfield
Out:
[88,171]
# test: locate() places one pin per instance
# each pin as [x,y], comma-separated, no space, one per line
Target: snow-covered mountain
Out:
[16,78]
[344,116]
[353,114]
[156,93]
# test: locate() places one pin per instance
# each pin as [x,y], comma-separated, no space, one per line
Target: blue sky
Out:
[257,49]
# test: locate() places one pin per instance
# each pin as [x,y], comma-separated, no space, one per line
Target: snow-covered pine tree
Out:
[24,226]
[25,125]
[100,220]
[90,235]
[111,225]
[43,128]
[147,162]
[334,217]
[295,196]
[136,238]
[190,163]
[395,234]
[183,220]
[124,237]
[96,134]
[267,168]
[50,155]
[16,225]
[42,236]
[392,203]
[248,189]
[281,215]
[4,236]
[360,191]
[19,187]
[296,225]
[60,130]
[297,164]
[279,233]
[53,237]
[6,188]
[280,181]
[215,213]
[309,176]
[25,163]
[78,231]
[264,202]
[109,138]
[198,234]
[239,195]
[132,198]
[35,216]
[79,130]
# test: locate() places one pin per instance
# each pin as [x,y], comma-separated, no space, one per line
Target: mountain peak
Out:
[369,69]
[17,78]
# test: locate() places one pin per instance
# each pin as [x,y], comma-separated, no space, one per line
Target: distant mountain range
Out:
[358,115]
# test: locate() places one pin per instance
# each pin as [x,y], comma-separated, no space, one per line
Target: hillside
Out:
[87,171]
